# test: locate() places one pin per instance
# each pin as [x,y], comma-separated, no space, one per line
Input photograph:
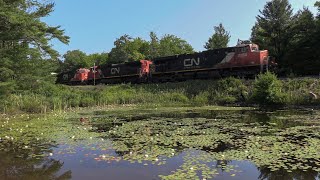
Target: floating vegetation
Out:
[206,142]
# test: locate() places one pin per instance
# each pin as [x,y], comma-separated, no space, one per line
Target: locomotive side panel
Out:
[133,72]
[187,62]
[119,70]
[190,66]
[65,77]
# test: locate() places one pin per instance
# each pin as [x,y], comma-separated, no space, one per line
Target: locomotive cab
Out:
[81,76]
[249,54]
[94,73]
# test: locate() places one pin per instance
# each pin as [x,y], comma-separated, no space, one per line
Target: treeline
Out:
[127,49]
[293,39]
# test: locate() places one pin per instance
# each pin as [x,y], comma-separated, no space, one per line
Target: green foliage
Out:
[76,59]
[300,58]
[272,29]
[26,56]
[6,74]
[229,91]
[172,45]
[201,99]
[292,39]
[267,90]
[219,39]
[129,49]
[21,22]
[154,46]
[87,102]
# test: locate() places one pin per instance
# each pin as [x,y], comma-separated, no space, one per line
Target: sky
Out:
[94,25]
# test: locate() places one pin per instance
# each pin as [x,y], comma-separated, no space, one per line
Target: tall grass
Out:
[266,89]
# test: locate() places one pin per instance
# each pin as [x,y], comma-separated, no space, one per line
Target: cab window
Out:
[254,48]
[243,49]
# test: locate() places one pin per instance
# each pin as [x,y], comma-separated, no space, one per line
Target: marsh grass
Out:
[266,90]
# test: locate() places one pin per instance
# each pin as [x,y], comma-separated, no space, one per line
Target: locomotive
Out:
[243,60]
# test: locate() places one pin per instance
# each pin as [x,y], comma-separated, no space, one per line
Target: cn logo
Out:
[191,62]
[115,70]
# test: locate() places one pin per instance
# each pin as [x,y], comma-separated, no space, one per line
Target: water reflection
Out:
[13,167]
[265,173]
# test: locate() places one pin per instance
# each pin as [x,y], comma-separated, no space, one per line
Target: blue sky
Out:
[94,25]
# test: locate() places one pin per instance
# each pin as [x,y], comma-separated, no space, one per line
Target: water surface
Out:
[168,143]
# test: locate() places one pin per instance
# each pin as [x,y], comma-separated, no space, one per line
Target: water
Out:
[182,143]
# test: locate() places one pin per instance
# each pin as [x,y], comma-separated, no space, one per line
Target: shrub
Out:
[201,99]
[267,90]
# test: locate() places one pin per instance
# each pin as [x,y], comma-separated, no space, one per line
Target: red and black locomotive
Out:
[243,60]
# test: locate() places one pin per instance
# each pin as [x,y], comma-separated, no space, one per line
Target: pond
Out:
[162,143]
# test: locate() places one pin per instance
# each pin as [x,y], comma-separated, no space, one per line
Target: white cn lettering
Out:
[115,70]
[191,62]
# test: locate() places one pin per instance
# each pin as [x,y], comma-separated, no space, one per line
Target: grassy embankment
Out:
[266,90]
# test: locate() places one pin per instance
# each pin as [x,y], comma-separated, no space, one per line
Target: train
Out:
[243,60]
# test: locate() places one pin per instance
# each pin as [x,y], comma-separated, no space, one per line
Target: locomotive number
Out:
[191,62]
[115,70]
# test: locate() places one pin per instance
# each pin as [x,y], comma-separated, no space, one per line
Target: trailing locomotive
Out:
[243,60]
[132,72]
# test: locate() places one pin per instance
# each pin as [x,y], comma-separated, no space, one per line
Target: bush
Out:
[267,90]
[201,99]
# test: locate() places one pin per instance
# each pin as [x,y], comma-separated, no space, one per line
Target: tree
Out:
[219,39]
[272,28]
[128,49]
[25,53]
[98,58]
[257,37]
[317,4]
[172,45]
[154,46]
[76,59]
[21,26]
[137,49]
[300,56]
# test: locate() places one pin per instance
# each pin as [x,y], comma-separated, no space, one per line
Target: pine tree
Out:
[299,58]
[25,51]
[219,39]
[154,45]
[272,29]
